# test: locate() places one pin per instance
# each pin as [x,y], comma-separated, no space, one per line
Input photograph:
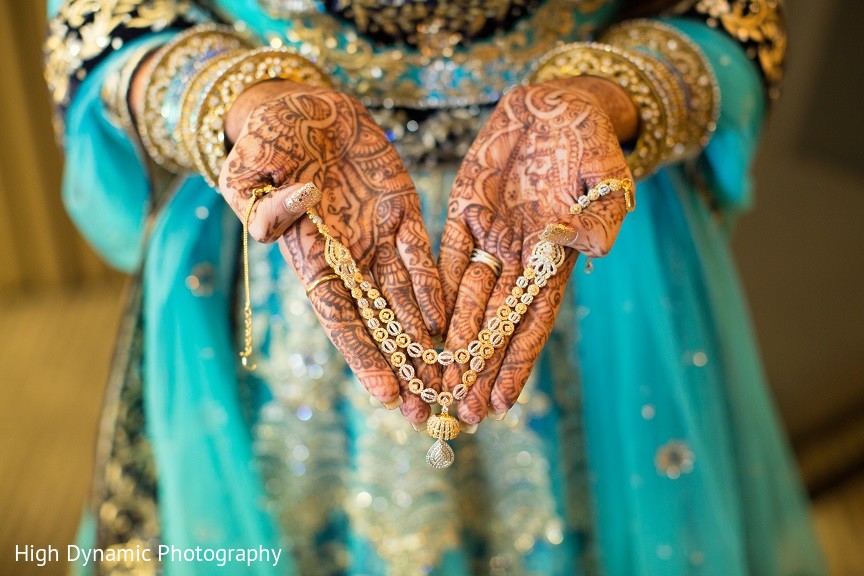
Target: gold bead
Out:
[469,377]
[442,426]
[504,312]
[403,340]
[397,359]
[461,356]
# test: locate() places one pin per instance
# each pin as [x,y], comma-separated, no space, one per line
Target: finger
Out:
[337,312]
[477,284]
[494,235]
[456,244]
[474,406]
[594,230]
[412,240]
[395,284]
[280,208]
[256,163]
[527,341]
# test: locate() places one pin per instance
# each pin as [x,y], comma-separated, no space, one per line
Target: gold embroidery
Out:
[83,29]
[450,20]
[396,75]
[758,24]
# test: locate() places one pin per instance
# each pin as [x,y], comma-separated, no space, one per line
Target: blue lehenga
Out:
[645,442]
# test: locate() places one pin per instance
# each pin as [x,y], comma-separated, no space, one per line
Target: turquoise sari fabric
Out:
[667,353]
[685,470]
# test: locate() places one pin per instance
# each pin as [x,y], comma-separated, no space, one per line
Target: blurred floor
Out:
[53,363]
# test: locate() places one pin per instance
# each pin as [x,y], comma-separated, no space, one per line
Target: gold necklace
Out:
[545,260]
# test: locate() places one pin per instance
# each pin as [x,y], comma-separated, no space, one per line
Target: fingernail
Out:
[393,404]
[303,198]
[560,234]
[496,415]
[421,427]
[469,428]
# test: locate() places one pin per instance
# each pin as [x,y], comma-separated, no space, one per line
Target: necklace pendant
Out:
[440,455]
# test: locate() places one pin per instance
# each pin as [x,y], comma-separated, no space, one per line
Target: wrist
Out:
[241,109]
[613,100]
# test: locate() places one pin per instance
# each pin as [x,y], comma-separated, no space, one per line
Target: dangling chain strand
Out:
[246,354]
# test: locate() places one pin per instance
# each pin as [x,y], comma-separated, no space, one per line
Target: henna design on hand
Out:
[543,147]
[326,137]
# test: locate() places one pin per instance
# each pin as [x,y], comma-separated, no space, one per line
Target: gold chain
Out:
[545,261]
[246,354]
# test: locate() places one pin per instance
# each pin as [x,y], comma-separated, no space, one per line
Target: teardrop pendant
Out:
[589,265]
[440,455]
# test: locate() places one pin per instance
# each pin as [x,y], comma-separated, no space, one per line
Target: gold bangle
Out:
[638,75]
[190,108]
[236,76]
[684,59]
[315,283]
[115,89]
[115,94]
[159,112]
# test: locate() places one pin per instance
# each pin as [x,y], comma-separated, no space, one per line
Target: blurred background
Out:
[801,255]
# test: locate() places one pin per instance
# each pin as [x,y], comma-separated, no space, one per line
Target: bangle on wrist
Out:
[686,61]
[115,92]
[202,126]
[649,84]
[168,72]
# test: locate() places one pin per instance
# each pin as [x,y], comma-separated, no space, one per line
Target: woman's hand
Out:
[543,147]
[287,135]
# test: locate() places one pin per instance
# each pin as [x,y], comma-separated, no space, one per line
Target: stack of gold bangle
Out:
[205,137]
[191,84]
[652,87]
[685,59]
[115,92]
[168,70]
[668,78]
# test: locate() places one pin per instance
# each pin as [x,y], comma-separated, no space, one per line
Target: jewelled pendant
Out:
[441,427]
[440,455]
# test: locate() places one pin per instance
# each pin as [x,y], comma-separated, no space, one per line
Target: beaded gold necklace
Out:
[544,262]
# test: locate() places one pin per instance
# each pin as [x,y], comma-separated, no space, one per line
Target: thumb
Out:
[280,208]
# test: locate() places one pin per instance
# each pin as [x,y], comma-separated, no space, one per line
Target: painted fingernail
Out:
[469,428]
[303,198]
[419,427]
[560,234]
[496,415]
[393,404]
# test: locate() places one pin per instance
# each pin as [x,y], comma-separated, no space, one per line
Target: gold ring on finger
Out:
[490,260]
[315,283]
